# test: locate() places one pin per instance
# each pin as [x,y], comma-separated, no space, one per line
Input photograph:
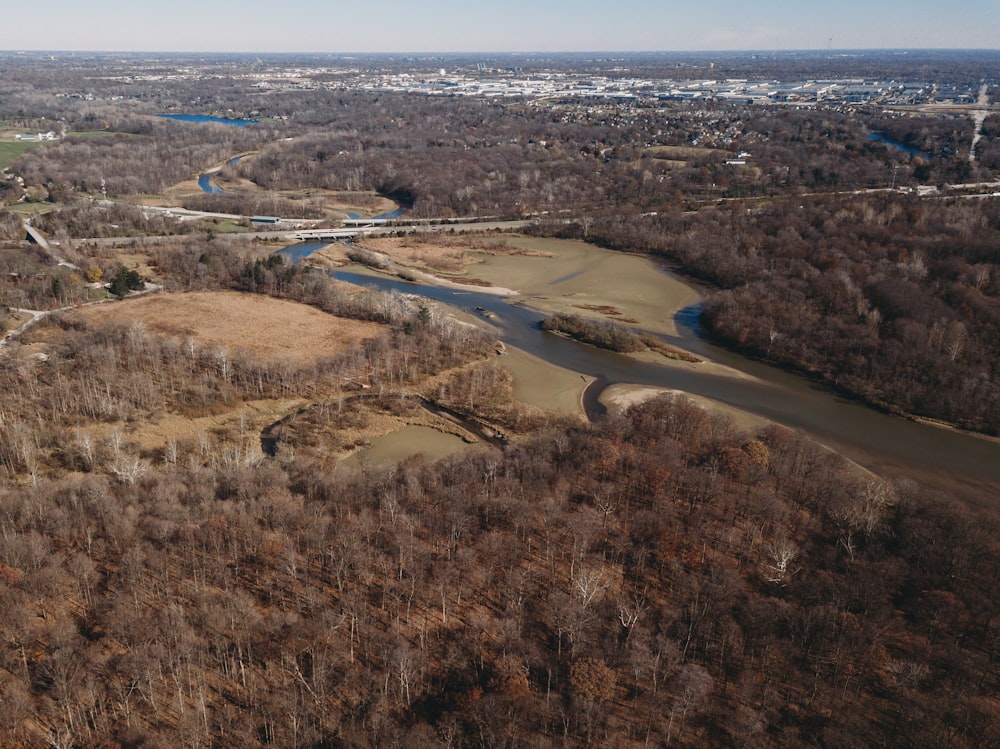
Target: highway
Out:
[305,235]
[346,232]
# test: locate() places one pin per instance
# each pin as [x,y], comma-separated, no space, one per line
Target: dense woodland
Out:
[465,157]
[988,149]
[893,299]
[661,578]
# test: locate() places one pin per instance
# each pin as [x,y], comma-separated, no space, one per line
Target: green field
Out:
[222,226]
[30,208]
[10,150]
[96,134]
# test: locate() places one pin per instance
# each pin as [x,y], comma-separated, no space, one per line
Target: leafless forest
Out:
[660,578]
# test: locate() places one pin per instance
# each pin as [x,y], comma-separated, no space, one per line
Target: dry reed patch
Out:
[329,257]
[441,254]
[365,203]
[175,194]
[259,325]
[248,418]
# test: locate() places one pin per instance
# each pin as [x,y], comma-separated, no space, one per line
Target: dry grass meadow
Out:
[265,327]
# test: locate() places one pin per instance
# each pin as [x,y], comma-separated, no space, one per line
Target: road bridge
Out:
[316,235]
[38,238]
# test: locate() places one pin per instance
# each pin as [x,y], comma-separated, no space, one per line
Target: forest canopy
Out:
[190,557]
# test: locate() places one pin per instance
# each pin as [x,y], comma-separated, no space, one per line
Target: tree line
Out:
[449,157]
[893,299]
[662,578]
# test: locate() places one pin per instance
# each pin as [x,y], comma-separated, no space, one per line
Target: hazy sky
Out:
[499,26]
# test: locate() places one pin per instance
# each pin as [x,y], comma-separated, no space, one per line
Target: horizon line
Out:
[816,50]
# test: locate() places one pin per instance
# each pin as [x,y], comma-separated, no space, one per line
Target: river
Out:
[207,118]
[889,445]
[206,181]
[897,145]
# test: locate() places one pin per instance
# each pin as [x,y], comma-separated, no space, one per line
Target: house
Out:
[50,135]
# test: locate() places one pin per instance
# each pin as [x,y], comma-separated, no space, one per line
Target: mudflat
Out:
[552,275]
[555,275]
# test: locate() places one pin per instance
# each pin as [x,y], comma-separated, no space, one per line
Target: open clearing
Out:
[686,153]
[265,327]
[11,150]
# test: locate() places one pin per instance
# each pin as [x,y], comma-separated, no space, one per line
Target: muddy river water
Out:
[950,460]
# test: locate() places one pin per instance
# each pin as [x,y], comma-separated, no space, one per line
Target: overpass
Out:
[38,238]
[318,235]
[349,227]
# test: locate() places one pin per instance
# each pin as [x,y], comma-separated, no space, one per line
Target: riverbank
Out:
[617,399]
[550,276]
[887,445]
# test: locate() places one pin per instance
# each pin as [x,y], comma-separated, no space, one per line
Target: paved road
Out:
[421,228]
[305,235]
[184,214]
[37,315]
[42,242]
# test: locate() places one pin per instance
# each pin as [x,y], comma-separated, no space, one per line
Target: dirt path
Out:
[36,315]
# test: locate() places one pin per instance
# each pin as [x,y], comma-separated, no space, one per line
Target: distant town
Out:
[540,400]
[640,78]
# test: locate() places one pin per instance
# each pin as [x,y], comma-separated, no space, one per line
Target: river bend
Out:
[890,445]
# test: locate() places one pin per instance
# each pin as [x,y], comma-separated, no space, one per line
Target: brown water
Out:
[405,443]
[889,445]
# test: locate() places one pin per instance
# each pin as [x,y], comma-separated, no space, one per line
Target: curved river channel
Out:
[889,445]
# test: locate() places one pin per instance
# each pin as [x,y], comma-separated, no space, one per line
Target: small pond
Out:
[398,446]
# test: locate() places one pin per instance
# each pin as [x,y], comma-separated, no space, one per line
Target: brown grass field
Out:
[441,254]
[685,153]
[266,327]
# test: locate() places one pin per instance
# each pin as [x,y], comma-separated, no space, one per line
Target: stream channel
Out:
[946,459]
